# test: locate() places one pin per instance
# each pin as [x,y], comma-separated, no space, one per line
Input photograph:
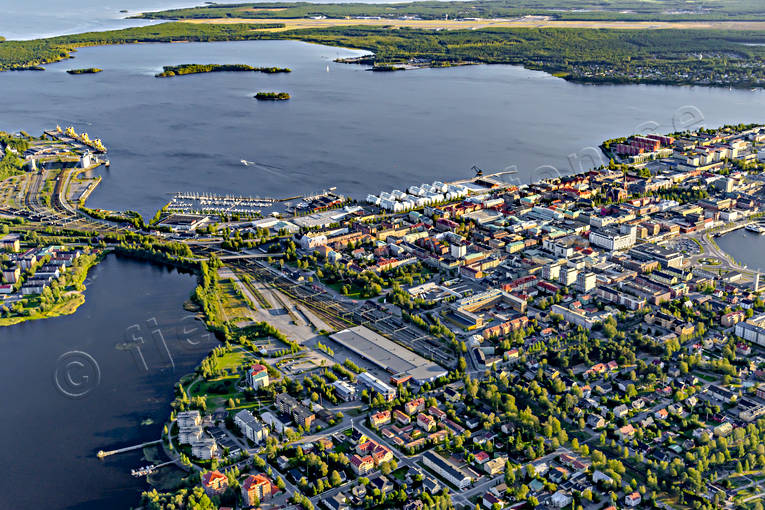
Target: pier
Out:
[731,228]
[147,470]
[211,203]
[101,453]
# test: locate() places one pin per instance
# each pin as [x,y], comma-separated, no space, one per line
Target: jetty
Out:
[730,228]
[188,203]
[101,453]
[147,470]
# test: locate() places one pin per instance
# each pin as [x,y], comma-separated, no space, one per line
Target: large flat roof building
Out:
[388,355]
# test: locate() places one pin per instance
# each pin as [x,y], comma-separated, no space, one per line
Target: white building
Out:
[568,275]
[752,330]
[613,239]
[586,281]
[189,426]
[310,242]
[454,475]
[345,391]
[551,271]
[250,427]
[373,383]
[275,423]
[458,250]
[204,448]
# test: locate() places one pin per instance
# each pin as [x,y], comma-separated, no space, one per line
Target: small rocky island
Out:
[272,96]
[89,70]
[180,70]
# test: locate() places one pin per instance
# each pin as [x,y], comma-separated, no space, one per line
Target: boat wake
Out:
[263,166]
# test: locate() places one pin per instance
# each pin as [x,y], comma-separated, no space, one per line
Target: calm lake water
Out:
[32,19]
[746,247]
[52,438]
[360,131]
[357,130]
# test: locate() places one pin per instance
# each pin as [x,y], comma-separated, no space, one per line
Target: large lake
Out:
[346,127]
[32,19]
[357,130]
[59,410]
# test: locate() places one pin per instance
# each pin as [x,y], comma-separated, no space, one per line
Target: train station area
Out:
[395,359]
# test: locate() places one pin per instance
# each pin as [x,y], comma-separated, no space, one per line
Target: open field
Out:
[525,22]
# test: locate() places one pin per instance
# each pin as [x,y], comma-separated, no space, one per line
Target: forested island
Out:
[272,96]
[183,69]
[88,70]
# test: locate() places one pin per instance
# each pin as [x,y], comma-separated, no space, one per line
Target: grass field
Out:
[233,305]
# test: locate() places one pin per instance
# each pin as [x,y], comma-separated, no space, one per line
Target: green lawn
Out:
[234,306]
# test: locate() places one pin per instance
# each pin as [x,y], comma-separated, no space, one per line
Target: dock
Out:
[189,203]
[101,453]
[731,228]
[147,470]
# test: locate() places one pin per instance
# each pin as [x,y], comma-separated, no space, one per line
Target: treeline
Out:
[11,163]
[180,70]
[714,57]
[146,248]
[25,54]
[131,217]
[628,56]
[208,295]
[624,10]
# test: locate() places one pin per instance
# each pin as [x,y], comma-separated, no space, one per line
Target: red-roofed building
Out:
[362,465]
[437,413]
[256,488]
[257,376]
[401,417]
[214,482]
[379,419]
[426,422]
[414,406]
[481,457]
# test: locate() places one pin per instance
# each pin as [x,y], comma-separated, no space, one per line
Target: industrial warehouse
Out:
[388,355]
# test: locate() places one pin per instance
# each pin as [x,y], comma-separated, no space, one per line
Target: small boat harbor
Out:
[249,206]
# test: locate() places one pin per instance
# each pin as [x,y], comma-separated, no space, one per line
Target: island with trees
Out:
[183,69]
[272,96]
[88,70]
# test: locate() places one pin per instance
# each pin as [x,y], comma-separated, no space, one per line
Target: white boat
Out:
[757,229]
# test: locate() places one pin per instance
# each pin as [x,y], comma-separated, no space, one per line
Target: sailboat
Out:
[327,67]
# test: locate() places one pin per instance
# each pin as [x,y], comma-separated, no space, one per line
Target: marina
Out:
[250,206]
[207,203]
